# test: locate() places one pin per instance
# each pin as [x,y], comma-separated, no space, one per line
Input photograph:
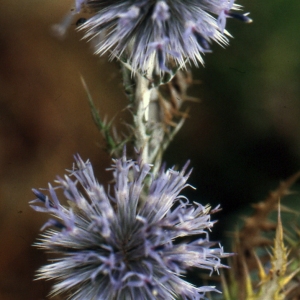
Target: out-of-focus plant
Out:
[258,270]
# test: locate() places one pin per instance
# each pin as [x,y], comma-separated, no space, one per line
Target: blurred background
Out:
[242,138]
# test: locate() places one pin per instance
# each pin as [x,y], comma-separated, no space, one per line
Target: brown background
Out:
[44,121]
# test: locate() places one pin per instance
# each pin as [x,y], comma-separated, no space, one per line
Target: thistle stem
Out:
[142,97]
[141,117]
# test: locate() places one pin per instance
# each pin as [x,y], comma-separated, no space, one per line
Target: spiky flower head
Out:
[157,32]
[133,243]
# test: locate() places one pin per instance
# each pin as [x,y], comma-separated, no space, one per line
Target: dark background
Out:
[242,138]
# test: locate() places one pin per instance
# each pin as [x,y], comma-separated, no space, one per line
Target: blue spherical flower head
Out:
[133,243]
[159,33]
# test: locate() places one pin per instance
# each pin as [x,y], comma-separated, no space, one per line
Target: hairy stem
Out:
[141,117]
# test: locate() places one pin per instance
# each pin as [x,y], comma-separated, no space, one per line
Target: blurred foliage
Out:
[245,133]
[259,271]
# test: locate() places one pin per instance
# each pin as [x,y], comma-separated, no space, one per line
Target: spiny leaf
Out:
[250,236]
[273,283]
[246,265]
[112,145]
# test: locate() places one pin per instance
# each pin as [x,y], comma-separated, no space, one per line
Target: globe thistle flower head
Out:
[135,242]
[159,33]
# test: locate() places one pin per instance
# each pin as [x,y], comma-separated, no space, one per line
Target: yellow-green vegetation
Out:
[257,274]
